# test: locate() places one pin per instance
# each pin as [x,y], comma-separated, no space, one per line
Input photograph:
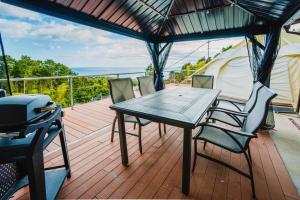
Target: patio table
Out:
[179,106]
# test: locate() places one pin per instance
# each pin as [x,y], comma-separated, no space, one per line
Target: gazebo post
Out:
[264,56]
[159,54]
[5,70]
[263,59]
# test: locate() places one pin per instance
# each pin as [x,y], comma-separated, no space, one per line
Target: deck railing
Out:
[71,90]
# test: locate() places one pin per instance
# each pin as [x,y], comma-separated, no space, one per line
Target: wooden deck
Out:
[97,171]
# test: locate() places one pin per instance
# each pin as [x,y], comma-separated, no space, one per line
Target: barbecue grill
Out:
[28,124]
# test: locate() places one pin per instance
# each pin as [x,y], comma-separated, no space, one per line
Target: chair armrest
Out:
[242,114]
[241,133]
[242,102]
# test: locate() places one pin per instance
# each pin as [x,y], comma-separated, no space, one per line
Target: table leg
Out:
[122,136]
[186,165]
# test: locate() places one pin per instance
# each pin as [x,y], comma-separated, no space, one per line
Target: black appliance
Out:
[23,109]
[28,124]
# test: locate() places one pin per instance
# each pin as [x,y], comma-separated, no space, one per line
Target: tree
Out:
[149,70]
[226,48]
[84,89]
[188,69]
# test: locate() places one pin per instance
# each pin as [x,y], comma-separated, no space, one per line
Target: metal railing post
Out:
[24,86]
[118,75]
[71,90]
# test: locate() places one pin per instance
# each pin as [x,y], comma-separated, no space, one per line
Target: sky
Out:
[44,37]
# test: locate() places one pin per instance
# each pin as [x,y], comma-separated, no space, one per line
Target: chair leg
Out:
[195,155]
[113,129]
[134,126]
[251,175]
[159,129]
[140,139]
[165,129]
[204,145]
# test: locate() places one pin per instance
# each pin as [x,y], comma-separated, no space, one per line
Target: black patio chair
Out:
[122,90]
[235,113]
[236,141]
[203,81]
[146,87]
[235,104]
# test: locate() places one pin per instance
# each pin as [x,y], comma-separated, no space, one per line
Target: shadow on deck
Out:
[97,171]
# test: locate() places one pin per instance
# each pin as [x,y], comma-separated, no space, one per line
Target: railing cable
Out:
[191,53]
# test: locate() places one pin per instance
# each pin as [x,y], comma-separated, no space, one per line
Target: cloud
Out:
[193,50]
[90,46]
[82,46]
[53,30]
[69,32]
[126,53]
[16,12]
[54,46]
[215,46]
[15,28]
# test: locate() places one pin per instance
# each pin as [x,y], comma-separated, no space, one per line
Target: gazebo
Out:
[163,22]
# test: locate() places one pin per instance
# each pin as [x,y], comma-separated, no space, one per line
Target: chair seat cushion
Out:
[132,119]
[226,118]
[220,138]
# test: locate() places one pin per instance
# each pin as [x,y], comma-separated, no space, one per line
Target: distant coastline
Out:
[113,70]
[105,70]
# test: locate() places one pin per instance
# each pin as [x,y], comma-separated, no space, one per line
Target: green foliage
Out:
[226,48]
[149,70]
[189,69]
[27,67]
[84,89]
[88,89]
[223,50]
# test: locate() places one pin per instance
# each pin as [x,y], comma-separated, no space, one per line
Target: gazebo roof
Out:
[170,20]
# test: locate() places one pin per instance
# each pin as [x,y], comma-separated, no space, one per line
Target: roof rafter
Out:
[234,32]
[197,11]
[165,17]
[253,12]
[148,6]
[234,2]
[294,13]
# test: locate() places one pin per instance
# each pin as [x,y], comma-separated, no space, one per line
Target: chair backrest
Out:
[203,81]
[146,85]
[253,96]
[121,89]
[258,114]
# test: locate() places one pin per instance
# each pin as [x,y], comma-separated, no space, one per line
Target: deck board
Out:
[97,171]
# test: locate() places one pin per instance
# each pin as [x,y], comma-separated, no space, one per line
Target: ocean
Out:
[113,70]
[105,70]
